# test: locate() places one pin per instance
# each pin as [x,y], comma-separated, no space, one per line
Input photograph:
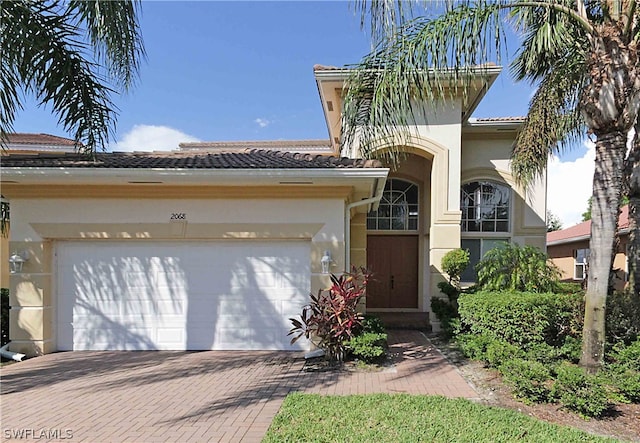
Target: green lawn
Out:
[408,418]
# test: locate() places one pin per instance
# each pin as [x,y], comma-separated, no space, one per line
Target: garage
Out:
[219,295]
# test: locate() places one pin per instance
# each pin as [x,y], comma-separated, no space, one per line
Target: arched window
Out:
[486,212]
[485,207]
[398,209]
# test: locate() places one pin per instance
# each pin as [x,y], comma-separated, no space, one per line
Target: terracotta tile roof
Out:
[327,68]
[251,159]
[319,67]
[277,145]
[21,138]
[582,230]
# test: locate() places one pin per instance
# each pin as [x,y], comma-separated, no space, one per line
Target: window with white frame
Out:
[398,208]
[486,209]
[477,248]
[581,259]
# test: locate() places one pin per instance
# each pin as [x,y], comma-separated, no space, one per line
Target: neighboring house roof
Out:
[38,139]
[19,141]
[320,146]
[251,159]
[582,231]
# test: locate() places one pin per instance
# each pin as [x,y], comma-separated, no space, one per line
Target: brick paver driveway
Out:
[191,396]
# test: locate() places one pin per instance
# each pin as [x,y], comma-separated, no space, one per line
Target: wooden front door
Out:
[393,260]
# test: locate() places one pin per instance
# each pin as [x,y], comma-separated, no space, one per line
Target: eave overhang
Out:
[331,83]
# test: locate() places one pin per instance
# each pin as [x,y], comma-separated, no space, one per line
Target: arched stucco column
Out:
[444,215]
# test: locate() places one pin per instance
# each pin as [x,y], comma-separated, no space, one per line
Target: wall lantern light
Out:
[325,261]
[17,260]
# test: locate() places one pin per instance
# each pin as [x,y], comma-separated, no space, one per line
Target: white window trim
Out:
[400,231]
[479,234]
[584,264]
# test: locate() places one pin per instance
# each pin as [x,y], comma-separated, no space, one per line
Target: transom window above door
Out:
[398,209]
[485,207]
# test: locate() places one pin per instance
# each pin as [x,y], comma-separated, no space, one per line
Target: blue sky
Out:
[244,71]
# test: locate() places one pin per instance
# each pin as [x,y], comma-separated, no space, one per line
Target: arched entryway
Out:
[393,247]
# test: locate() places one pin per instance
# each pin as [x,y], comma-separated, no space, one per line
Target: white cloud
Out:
[569,186]
[152,138]
[262,122]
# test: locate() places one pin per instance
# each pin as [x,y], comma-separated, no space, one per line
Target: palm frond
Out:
[427,61]
[549,36]
[54,67]
[384,17]
[114,33]
[553,122]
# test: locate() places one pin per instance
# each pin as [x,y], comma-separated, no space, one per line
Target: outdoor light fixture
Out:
[17,260]
[325,261]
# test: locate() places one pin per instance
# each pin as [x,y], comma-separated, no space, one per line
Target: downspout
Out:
[10,355]
[347,221]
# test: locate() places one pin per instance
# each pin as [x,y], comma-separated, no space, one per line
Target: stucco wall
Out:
[39,223]
[4,262]
[486,156]
[562,256]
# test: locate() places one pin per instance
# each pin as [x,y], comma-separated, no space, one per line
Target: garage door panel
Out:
[257,280]
[171,336]
[121,338]
[216,295]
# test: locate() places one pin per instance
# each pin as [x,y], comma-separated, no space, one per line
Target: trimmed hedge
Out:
[521,318]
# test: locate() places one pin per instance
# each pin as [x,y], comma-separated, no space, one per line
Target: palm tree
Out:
[581,54]
[72,55]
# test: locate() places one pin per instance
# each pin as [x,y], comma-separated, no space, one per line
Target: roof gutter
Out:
[176,175]
[564,241]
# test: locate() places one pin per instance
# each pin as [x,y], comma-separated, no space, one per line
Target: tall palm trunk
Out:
[607,184]
[610,107]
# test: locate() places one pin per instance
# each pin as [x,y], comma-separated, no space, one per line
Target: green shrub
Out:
[332,317]
[517,268]
[474,346]
[368,346]
[571,349]
[4,316]
[449,290]
[446,313]
[544,353]
[579,391]
[625,381]
[529,379]
[454,263]
[569,288]
[498,352]
[623,317]
[627,356]
[520,318]
[371,323]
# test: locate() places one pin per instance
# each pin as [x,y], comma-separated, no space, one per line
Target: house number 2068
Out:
[178,216]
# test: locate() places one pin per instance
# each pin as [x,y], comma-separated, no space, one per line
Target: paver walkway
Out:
[211,396]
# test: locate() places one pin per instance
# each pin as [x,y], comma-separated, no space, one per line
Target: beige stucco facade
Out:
[42,219]
[445,151]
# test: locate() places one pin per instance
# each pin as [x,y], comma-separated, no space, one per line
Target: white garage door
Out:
[179,296]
